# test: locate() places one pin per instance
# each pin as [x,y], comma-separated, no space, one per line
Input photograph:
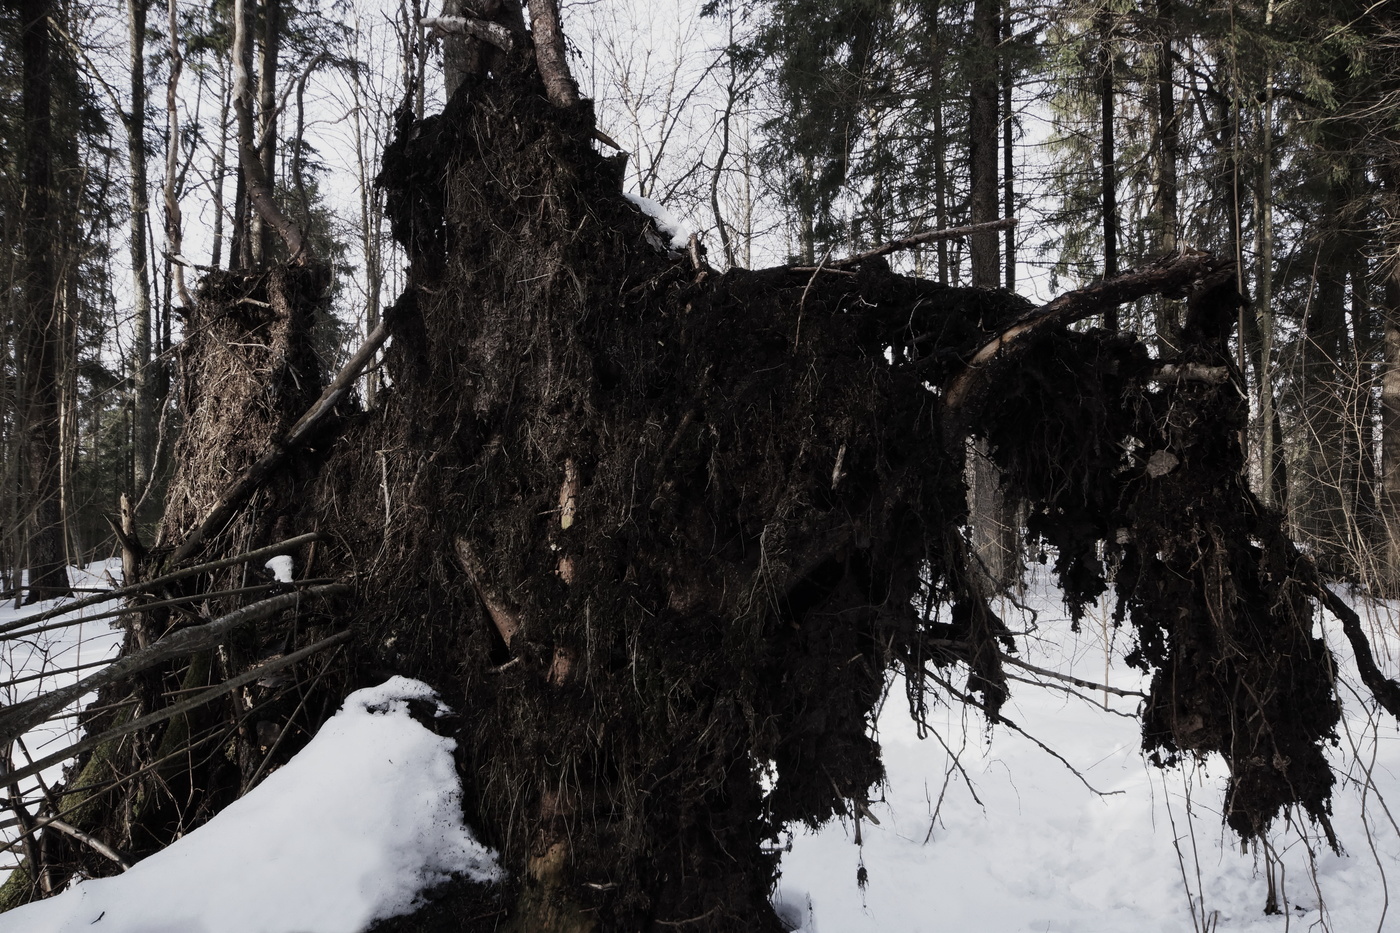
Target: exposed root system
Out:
[654,531]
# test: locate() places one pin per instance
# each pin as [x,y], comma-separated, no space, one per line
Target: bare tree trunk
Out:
[983,143]
[1364,528]
[143,415]
[993,526]
[1273,483]
[940,147]
[1108,154]
[1321,492]
[253,160]
[1008,126]
[371,231]
[38,342]
[220,170]
[550,56]
[1390,431]
[266,142]
[173,223]
[1168,153]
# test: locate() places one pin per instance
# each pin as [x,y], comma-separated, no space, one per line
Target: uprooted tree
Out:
[651,529]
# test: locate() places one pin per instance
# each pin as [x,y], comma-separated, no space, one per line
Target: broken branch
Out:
[18,719]
[253,477]
[924,236]
[489,32]
[1172,275]
[272,550]
[213,693]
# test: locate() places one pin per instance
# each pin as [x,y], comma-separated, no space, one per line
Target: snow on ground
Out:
[368,816]
[1041,852]
[25,654]
[350,831]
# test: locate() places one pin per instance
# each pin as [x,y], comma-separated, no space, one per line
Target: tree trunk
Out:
[265,143]
[1108,154]
[940,142]
[983,143]
[39,338]
[1273,480]
[1168,154]
[143,416]
[992,516]
[1008,126]
[1390,433]
[174,233]
[256,160]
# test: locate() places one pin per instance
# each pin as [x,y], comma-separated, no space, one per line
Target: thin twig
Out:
[1001,719]
[802,303]
[92,842]
[1083,684]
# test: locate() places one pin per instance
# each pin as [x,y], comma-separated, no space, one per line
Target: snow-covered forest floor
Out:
[978,829]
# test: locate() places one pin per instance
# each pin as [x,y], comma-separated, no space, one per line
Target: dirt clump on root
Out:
[1219,600]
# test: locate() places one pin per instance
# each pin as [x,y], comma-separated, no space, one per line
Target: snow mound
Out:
[350,831]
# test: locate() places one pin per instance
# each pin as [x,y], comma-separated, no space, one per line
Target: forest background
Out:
[788,129]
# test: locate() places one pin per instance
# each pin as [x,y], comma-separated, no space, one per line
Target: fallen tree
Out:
[652,529]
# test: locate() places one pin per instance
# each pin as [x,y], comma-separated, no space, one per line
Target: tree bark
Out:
[1108,155]
[983,143]
[1008,144]
[1390,433]
[38,341]
[142,402]
[254,159]
[265,142]
[550,54]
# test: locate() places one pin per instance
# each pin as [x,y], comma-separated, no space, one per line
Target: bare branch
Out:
[925,236]
[198,700]
[272,550]
[485,30]
[18,719]
[1171,275]
[253,477]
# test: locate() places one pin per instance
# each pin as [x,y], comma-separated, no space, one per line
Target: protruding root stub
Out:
[547,904]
